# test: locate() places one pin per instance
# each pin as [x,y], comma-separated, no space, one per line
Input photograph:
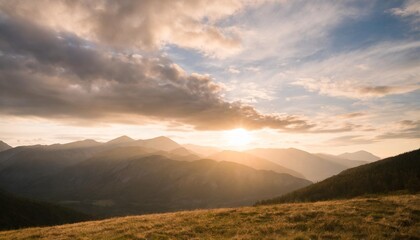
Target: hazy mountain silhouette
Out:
[401,172]
[182,154]
[360,155]
[252,161]
[125,176]
[22,165]
[4,146]
[108,185]
[310,165]
[346,162]
[87,143]
[203,151]
[120,140]
[160,143]
[16,212]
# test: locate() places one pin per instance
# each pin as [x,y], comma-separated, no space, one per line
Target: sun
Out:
[238,137]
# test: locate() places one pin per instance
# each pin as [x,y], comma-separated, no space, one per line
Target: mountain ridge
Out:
[396,173]
[314,168]
[252,161]
[360,155]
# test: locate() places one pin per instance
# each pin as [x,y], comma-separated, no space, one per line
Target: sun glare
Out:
[238,137]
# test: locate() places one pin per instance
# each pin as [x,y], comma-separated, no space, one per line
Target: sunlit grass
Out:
[391,217]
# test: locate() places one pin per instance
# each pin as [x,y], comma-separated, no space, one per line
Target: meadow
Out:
[374,217]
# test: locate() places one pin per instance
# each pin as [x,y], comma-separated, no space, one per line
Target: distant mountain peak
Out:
[363,151]
[122,139]
[162,138]
[87,141]
[78,144]
[4,146]
[361,155]
[161,143]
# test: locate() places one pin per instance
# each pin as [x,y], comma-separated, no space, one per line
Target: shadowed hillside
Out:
[391,217]
[20,212]
[126,176]
[111,185]
[21,166]
[401,172]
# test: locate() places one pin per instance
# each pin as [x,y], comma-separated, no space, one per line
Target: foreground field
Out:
[389,217]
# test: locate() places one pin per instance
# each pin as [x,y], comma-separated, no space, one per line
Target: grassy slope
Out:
[390,217]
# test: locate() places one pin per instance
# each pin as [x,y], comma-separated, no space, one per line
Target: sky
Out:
[322,76]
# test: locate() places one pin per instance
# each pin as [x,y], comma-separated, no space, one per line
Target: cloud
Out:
[59,75]
[350,140]
[146,25]
[250,92]
[353,115]
[233,70]
[280,31]
[346,127]
[350,89]
[411,10]
[388,68]
[408,129]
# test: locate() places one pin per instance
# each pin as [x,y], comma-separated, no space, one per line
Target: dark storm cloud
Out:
[56,74]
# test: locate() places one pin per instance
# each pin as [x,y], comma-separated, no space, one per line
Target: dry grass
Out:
[390,217]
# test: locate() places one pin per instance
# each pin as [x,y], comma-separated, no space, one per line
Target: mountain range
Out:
[252,161]
[125,176]
[313,167]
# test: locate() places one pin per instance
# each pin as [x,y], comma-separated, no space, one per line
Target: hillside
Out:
[390,217]
[252,161]
[313,167]
[397,173]
[111,185]
[20,212]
